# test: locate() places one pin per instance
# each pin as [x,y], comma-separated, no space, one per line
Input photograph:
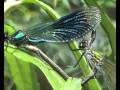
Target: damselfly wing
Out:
[70,27]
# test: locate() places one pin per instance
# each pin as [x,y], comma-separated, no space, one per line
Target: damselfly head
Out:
[83,44]
[17,38]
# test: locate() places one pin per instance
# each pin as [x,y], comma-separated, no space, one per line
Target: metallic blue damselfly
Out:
[68,28]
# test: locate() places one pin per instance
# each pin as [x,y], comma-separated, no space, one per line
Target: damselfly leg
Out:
[85,45]
[89,77]
[7,40]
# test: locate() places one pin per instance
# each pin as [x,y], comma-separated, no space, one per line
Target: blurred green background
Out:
[25,15]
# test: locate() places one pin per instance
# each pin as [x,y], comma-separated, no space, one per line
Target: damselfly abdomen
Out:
[105,68]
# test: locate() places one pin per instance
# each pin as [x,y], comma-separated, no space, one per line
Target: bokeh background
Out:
[24,16]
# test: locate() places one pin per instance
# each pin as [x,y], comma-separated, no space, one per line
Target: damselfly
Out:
[105,69]
[48,60]
[73,26]
[68,28]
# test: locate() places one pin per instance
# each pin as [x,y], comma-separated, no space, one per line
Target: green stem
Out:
[47,8]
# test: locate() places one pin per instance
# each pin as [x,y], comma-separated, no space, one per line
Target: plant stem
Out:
[48,60]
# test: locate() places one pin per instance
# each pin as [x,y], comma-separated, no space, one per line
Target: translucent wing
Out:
[109,75]
[73,26]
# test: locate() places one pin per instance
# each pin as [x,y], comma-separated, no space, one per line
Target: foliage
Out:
[21,67]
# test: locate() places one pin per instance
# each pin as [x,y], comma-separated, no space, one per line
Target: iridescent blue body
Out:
[17,38]
[67,28]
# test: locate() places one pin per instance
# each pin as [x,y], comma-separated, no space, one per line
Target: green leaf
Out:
[22,73]
[72,84]
[9,29]
[53,77]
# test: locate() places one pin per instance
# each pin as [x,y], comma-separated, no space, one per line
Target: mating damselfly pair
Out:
[68,28]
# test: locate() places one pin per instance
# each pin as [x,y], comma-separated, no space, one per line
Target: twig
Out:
[48,60]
